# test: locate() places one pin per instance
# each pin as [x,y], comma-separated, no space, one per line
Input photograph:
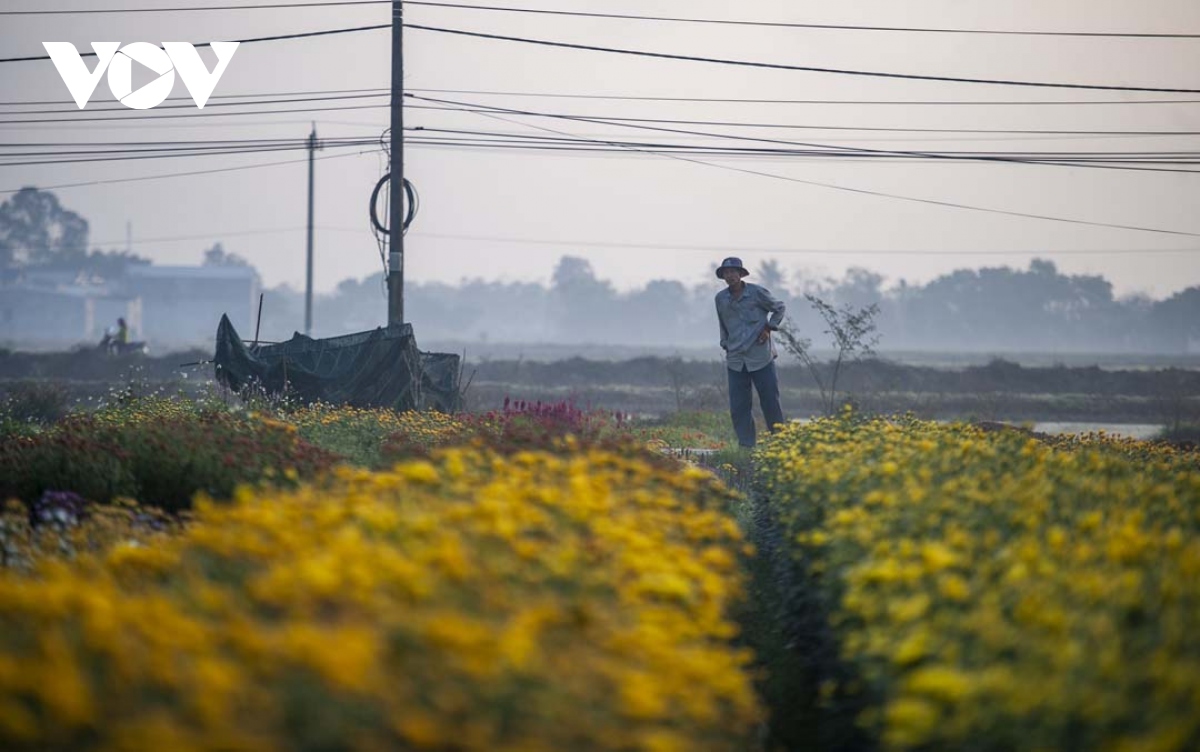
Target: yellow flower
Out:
[940,682]
[418,472]
[641,696]
[954,588]
[909,722]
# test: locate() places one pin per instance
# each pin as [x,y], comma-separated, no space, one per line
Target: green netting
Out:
[380,368]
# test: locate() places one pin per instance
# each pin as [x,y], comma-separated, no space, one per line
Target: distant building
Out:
[182,305]
[59,308]
[168,306]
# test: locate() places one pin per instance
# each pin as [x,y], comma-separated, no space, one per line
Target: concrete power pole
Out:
[395,279]
[308,289]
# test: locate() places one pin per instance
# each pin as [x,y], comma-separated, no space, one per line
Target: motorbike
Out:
[110,345]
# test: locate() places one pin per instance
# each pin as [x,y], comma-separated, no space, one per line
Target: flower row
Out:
[990,590]
[473,601]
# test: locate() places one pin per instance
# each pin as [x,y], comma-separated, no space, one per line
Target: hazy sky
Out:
[639,216]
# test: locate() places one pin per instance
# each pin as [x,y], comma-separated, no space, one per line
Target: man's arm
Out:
[774,305]
[724,331]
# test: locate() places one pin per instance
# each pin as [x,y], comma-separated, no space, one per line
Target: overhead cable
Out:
[884,194]
[801,68]
[643,98]
[485,109]
[276,38]
[794,25]
[190,173]
[622,17]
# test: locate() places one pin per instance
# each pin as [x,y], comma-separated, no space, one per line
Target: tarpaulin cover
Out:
[380,368]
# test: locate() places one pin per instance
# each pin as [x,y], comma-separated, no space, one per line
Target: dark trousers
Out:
[766,381]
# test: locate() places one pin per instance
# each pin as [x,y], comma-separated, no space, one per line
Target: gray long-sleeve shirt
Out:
[742,320]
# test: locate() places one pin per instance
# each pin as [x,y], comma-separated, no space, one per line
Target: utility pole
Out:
[395,279]
[308,289]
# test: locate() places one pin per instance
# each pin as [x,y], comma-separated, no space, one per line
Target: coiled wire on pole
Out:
[410,193]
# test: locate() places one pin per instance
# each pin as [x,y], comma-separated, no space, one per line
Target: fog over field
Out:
[583,196]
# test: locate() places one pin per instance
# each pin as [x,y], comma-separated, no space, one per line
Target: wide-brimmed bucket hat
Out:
[733,262]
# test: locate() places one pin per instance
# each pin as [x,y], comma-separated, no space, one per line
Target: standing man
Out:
[742,310]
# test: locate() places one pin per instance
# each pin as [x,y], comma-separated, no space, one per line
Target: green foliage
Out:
[531,426]
[157,451]
[34,401]
[687,429]
[1184,432]
[36,229]
[373,438]
[852,333]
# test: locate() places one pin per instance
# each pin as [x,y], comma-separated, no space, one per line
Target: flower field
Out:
[194,575]
[989,591]
[575,597]
[158,451]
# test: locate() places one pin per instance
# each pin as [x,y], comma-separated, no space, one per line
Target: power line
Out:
[670,246]
[191,113]
[578,243]
[174,154]
[263,6]
[1075,159]
[821,149]
[734,124]
[625,17]
[803,68]
[66,152]
[249,103]
[795,126]
[187,142]
[883,194]
[254,95]
[276,38]
[639,98]
[879,152]
[87,115]
[856,102]
[754,155]
[81,118]
[768,154]
[215,235]
[718,100]
[690,58]
[1117,160]
[24,154]
[77,127]
[191,173]
[788,25]
[873,139]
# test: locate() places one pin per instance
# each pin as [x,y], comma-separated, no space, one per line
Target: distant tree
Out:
[772,277]
[1175,322]
[109,264]
[663,302]
[582,304]
[35,229]
[218,256]
[860,287]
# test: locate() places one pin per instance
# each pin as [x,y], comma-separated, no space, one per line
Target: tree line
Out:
[993,309]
